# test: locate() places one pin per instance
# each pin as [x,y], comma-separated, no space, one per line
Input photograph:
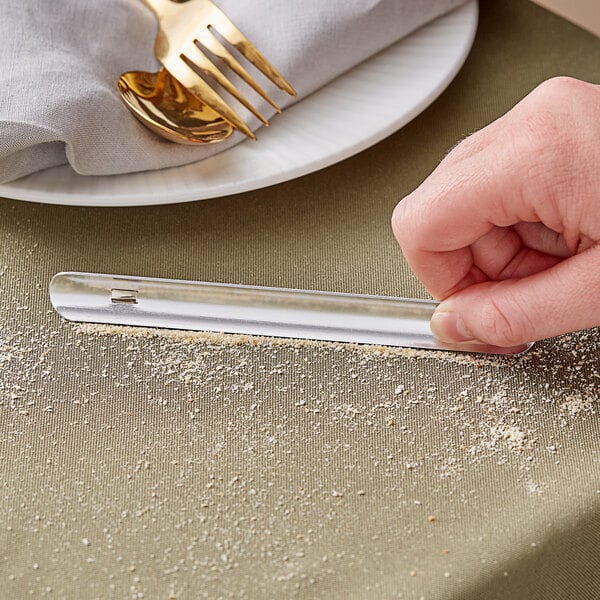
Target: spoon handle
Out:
[158,6]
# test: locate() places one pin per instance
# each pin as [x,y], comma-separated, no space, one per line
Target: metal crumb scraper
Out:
[252,310]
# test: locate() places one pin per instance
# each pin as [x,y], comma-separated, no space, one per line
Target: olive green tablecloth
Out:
[164,465]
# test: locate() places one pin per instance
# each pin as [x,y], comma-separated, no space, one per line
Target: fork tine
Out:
[211,43]
[191,80]
[196,59]
[237,39]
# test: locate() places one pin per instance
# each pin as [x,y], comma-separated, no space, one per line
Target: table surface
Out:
[140,464]
[583,12]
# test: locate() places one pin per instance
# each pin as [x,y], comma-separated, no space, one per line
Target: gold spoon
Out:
[170,110]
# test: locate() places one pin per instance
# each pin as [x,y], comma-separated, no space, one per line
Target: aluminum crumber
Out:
[251,310]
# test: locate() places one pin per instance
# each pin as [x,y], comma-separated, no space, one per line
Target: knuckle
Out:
[553,141]
[558,84]
[559,88]
[555,109]
[546,144]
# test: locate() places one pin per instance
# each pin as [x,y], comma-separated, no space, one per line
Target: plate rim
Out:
[18,190]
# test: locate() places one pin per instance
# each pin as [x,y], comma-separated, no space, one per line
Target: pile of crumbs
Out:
[490,403]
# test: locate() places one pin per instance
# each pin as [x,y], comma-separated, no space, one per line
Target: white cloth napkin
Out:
[60,61]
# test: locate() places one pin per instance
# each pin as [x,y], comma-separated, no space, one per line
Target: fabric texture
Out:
[59,66]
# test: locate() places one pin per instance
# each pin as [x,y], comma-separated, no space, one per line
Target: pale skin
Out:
[506,230]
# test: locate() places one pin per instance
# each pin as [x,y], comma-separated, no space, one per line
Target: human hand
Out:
[506,230]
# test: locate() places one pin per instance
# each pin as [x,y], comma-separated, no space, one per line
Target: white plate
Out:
[355,111]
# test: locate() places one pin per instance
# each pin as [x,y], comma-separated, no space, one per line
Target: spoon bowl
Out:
[170,110]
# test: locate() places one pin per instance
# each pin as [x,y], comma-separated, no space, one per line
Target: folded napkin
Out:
[60,61]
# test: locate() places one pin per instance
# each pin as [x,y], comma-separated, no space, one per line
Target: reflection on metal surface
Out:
[253,310]
[123,296]
[168,109]
[186,42]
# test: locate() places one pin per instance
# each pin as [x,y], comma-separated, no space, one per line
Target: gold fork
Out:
[185,33]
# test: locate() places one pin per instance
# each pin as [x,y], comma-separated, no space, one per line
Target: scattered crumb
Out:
[241,414]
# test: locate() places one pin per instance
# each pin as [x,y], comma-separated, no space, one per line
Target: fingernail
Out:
[448,326]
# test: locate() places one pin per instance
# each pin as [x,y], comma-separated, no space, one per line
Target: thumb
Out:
[559,300]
